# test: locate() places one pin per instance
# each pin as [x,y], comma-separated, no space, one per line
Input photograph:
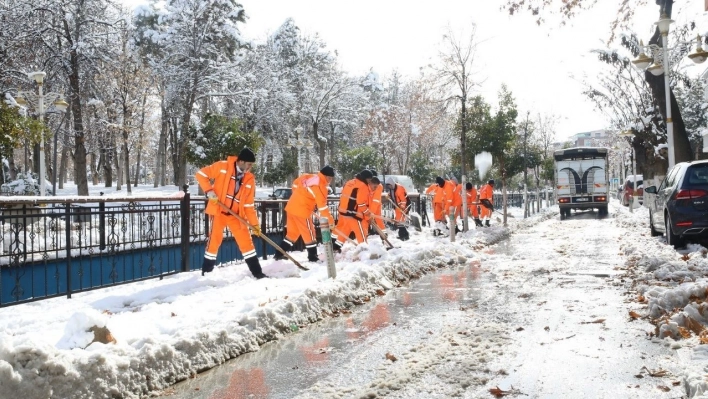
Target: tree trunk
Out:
[141,133]
[79,146]
[321,145]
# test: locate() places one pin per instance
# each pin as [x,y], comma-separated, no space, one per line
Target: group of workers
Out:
[447,198]
[230,188]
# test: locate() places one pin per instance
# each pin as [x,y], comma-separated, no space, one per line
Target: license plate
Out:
[582,199]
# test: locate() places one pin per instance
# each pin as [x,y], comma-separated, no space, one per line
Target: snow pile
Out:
[168,330]
[673,286]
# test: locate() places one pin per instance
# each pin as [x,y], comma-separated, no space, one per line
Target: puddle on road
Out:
[283,368]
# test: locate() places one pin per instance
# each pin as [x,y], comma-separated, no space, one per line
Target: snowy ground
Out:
[168,330]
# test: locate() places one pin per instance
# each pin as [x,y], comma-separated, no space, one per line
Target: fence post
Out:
[102,225]
[67,232]
[184,215]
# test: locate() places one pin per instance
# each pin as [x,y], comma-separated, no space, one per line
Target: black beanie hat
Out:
[247,155]
[373,172]
[468,186]
[375,180]
[491,181]
[440,181]
[365,174]
[327,171]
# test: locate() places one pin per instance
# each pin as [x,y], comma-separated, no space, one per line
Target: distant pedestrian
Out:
[234,187]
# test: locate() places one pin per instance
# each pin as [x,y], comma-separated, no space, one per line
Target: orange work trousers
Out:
[239,230]
[474,211]
[438,212]
[485,213]
[300,227]
[345,226]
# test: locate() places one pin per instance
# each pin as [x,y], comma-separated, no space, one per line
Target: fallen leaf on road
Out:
[634,315]
[547,328]
[664,388]
[498,393]
[598,321]
[390,357]
[655,373]
[694,326]
[520,329]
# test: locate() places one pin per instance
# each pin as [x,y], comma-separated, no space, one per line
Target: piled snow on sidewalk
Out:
[671,289]
[168,330]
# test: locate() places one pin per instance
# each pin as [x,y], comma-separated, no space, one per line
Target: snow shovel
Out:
[263,236]
[382,234]
[413,219]
[339,232]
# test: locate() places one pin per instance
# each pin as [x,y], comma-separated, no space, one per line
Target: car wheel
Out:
[654,232]
[671,238]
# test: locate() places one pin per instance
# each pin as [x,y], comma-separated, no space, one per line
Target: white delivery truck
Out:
[582,180]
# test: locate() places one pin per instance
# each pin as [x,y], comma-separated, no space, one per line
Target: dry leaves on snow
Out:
[391,357]
[634,315]
[500,393]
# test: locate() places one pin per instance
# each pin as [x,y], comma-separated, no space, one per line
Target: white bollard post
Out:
[327,244]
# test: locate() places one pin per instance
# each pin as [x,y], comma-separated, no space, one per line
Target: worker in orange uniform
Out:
[486,199]
[472,203]
[309,196]
[442,201]
[456,200]
[397,193]
[234,187]
[375,205]
[353,210]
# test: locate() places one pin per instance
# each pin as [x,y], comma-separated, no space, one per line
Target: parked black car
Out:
[678,208]
[282,194]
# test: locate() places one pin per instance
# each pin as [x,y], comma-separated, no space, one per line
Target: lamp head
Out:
[663,23]
[37,76]
[656,69]
[60,104]
[20,100]
[642,61]
[699,55]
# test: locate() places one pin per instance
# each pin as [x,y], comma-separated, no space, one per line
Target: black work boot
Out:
[486,223]
[336,247]
[208,265]
[286,246]
[403,233]
[478,222]
[457,229]
[255,267]
[312,254]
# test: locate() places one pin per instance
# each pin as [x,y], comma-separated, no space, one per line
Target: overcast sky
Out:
[542,66]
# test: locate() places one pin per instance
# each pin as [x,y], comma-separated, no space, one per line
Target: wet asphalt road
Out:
[552,293]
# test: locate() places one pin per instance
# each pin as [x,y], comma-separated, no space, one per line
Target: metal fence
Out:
[54,247]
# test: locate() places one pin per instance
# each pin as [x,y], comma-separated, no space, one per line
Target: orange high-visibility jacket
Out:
[472,196]
[354,200]
[375,202]
[224,175]
[399,196]
[442,195]
[456,194]
[309,191]
[486,192]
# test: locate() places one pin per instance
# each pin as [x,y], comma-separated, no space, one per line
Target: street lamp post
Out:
[633,198]
[661,65]
[24,98]
[299,143]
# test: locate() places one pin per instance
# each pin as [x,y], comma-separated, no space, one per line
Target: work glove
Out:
[256,229]
[212,196]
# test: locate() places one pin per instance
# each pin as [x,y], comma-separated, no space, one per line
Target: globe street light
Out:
[299,143]
[661,65]
[58,104]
